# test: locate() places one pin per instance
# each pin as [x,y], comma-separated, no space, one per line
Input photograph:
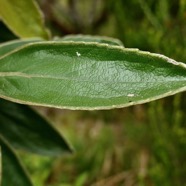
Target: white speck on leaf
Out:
[130,95]
[78,54]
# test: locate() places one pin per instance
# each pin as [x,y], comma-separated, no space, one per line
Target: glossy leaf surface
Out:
[23,18]
[88,76]
[89,38]
[24,129]
[12,171]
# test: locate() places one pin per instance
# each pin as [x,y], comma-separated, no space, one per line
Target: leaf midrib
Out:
[24,75]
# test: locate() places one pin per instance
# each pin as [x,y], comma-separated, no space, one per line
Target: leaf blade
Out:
[24,25]
[24,129]
[88,76]
[13,171]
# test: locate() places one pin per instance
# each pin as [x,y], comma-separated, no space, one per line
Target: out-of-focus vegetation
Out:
[143,145]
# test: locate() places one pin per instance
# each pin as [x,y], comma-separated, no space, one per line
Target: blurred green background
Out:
[143,145]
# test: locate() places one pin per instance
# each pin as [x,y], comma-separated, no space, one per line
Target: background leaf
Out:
[13,172]
[88,76]
[89,38]
[25,129]
[23,18]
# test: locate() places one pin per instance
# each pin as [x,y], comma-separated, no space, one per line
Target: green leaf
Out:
[25,129]
[87,76]
[89,38]
[23,18]
[13,171]
[12,45]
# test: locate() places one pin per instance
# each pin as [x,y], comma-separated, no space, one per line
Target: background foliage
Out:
[140,145]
